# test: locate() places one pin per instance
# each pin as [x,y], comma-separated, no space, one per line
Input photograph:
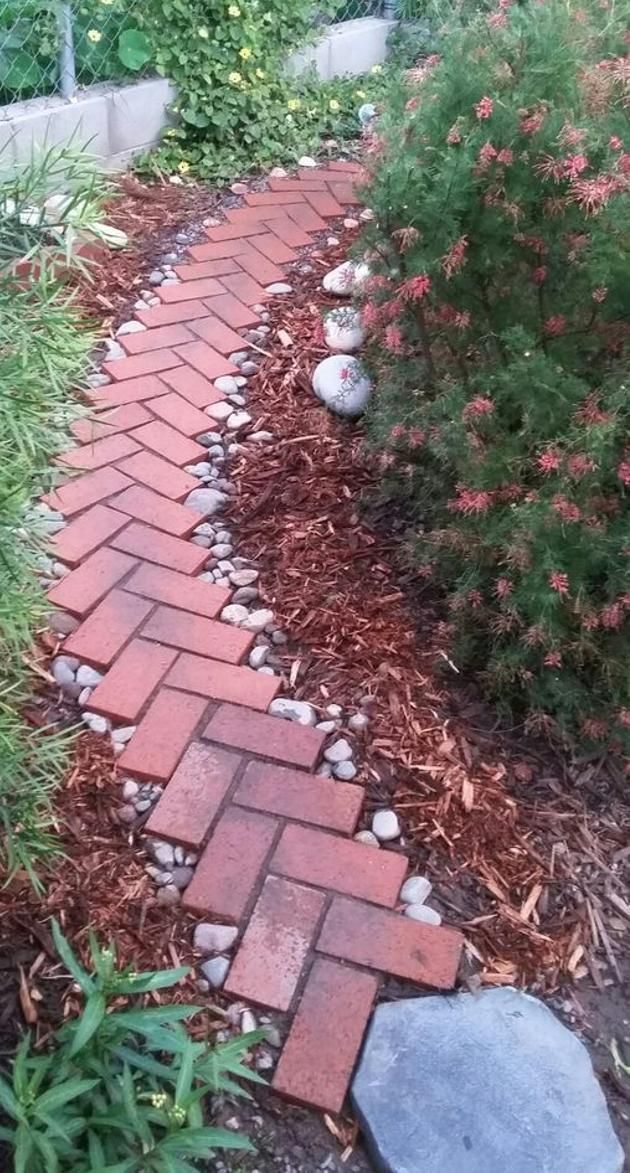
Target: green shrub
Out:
[123,1088]
[499,312]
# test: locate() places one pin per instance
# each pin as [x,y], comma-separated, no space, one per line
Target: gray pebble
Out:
[168,896]
[85,697]
[226,384]
[130,327]
[245,595]
[88,677]
[182,877]
[123,734]
[215,971]
[279,287]
[345,771]
[96,723]
[127,813]
[130,789]
[214,938]
[358,722]
[62,623]
[239,357]
[385,825]
[250,368]
[339,751]
[63,669]
[258,656]
[156,277]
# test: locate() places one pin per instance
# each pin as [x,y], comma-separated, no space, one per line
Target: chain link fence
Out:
[55,46]
[354,9]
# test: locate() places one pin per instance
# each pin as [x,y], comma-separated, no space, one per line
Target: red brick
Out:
[159,548]
[170,443]
[232,311]
[108,423]
[324,203]
[307,174]
[206,360]
[86,533]
[141,364]
[344,193]
[238,233]
[131,680]
[245,288]
[297,184]
[306,217]
[164,315]
[188,290]
[252,217]
[193,633]
[215,332]
[271,737]
[101,452]
[179,413]
[273,248]
[269,962]
[223,682]
[315,857]
[345,165]
[260,269]
[297,795]
[318,1058]
[193,797]
[163,734]
[178,590]
[228,245]
[146,387]
[201,269]
[105,632]
[290,233]
[80,590]
[145,505]
[145,340]
[192,386]
[226,875]
[258,199]
[160,475]
[81,492]
[386,941]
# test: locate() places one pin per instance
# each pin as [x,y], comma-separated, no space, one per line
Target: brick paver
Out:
[312,906]
[270,960]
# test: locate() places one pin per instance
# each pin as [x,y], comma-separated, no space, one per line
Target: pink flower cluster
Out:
[484,108]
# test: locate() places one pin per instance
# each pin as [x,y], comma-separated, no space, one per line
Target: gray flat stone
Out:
[481,1083]
[206,501]
[214,938]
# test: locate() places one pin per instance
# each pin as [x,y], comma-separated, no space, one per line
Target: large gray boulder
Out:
[481,1083]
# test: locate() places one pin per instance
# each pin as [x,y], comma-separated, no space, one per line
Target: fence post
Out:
[67,73]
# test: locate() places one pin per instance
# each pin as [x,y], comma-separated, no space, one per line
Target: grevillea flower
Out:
[479,406]
[600,294]
[589,621]
[470,501]
[534,242]
[559,582]
[503,588]
[449,316]
[455,258]
[454,136]
[406,237]
[623,717]
[370,315]
[623,472]
[484,108]
[615,143]
[496,20]
[486,156]
[571,136]
[416,287]
[416,437]
[393,339]
[505,156]
[623,164]
[475,599]
[593,194]
[553,660]
[412,104]
[398,432]
[594,728]
[612,616]
[432,60]
[578,465]
[539,275]
[534,636]
[574,165]
[549,168]
[591,413]
[549,461]
[566,509]
[531,123]
[555,325]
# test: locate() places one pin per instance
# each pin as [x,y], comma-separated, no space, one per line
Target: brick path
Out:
[314,907]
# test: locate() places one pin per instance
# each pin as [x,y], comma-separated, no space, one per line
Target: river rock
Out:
[423,913]
[385,826]
[480,1083]
[343,329]
[206,501]
[342,384]
[415,890]
[298,711]
[339,751]
[214,938]
[347,278]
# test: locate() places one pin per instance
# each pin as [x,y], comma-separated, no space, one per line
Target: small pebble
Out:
[248,1022]
[168,896]
[156,277]
[339,751]
[182,877]
[226,384]
[345,771]
[88,677]
[334,710]
[214,938]
[96,723]
[368,838]
[84,697]
[258,656]
[385,825]
[249,368]
[358,722]
[423,913]
[299,711]
[215,971]
[257,620]
[130,789]
[234,613]
[243,578]
[326,726]
[123,734]
[325,770]
[279,287]
[245,595]
[415,890]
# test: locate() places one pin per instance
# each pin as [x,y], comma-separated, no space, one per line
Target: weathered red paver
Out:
[327,861]
[271,957]
[206,360]
[169,294]
[180,414]
[155,546]
[219,336]
[200,269]
[290,233]
[265,199]
[192,633]
[84,587]
[260,268]
[192,386]
[296,795]
[344,193]
[164,315]
[81,492]
[169,443]
[223,682]
[86,533]
[178,590]
[268,736]
[146,340]
[387,941]
[129,391]
[160,475]
[163,733]
[141,364]
[108,423]
[145,505]
[99,453]
[131,680]
[273,248]
[318,1058]
[232,311]
[228,244]
[306,218]
[225,878]
[194,795]
[324,203]
[105,632]
[296,184]
[246,289]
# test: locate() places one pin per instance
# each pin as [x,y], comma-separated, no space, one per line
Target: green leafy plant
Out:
[123,1089]
[498,311]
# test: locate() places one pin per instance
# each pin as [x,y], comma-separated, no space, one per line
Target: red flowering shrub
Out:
[499,319]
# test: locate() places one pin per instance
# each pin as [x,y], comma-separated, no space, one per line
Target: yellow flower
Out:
[376,69]
[234,10]
[170,133]
[245,53]
[203,33]
[359,93]
[183,167]
[294,103]
[260,73]
[94,36]
[333,105]
[107,1]
[235,78]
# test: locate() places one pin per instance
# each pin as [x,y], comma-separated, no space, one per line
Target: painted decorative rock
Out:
[346,278]
[343,329]
[342,385]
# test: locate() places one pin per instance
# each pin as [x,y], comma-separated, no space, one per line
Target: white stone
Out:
[345,771]
[88,677]
[306,161]
[258,656]
[248,1022]
[299,711]
[339,751]
[257,620]
[235,614]
[96,723]
[367,214]
[62,670]
[226,384]
[131,327]
[327,726]
[163,853]
[202,469]
[342,384]
[238,419]
[385,825]
[279,287]
[347,278]
[277,173]
[350,222]
[207,501]
[84,697]
[343,329]
[243,578]
[215,971]
[368,838]
[415,890]
[423,913]
[221,550]
[220,410]
[261,437]
[123,734]
[334,711]
[130,789]
[358,722]
[214,938]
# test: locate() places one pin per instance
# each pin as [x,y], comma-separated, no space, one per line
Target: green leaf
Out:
[201,1142]
[134,49]
[143,983]
[89,1022]
[9,1102]
[56,1096]
[67,956]
[195,117]
[185,1076]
